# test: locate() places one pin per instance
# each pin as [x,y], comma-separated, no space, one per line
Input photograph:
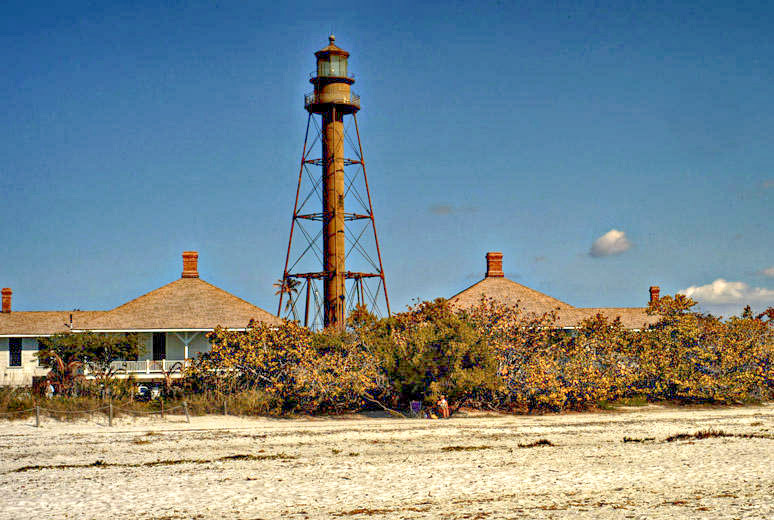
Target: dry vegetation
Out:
[489,357]
[496,357]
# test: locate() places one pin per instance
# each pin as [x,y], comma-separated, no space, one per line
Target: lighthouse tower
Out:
[345,213]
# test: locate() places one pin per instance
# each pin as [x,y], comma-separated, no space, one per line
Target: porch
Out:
[146,368]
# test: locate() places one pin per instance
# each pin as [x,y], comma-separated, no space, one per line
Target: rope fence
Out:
[17,411]
[72,411]
[110,412]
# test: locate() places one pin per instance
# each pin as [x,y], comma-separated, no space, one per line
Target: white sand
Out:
[394,468]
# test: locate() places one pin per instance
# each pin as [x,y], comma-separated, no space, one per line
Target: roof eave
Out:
[200,329]
[30,335]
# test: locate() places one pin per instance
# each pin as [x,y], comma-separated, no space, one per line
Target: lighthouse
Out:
[332,107]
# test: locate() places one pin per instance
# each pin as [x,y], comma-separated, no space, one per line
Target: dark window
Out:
[40,347]
[159,346]
[14,352]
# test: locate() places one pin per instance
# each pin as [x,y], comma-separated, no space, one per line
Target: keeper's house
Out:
[499,288]
[172,322]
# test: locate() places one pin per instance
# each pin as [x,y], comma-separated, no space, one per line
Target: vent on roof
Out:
[494,264]
[6,292]
[190,264]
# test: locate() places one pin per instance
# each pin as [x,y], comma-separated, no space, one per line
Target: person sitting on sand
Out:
[443,407]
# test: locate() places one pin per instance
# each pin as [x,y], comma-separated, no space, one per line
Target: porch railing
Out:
[149,366]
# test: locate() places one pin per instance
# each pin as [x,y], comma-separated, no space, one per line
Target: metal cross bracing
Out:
[300,288]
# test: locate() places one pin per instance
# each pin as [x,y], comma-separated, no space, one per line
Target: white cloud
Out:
[614,242]
[769,271]
[724,292]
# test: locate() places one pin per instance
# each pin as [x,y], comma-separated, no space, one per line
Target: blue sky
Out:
[132,132]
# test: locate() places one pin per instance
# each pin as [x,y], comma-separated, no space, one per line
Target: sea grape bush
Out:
[684,357]
[596,364]
[544,368]
[694,357]
[298,370]
[495,356]
[429,351]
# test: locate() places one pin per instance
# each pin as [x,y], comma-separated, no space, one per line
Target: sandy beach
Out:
[473,467]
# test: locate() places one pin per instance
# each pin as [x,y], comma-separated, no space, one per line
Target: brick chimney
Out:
[6,292]
[654,293]
[494,264]
[190,264]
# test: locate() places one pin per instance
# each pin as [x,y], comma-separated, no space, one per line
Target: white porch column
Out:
[186,338]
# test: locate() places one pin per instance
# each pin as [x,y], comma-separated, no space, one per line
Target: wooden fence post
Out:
[37,416]
[162,407]
[187,417]
[110,413]
[225,408]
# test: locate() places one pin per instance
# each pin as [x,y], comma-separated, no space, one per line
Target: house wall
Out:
[199,345]
[20,376]
[175,346]
[146,340]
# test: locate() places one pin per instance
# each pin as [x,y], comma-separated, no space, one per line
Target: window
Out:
[14,352]
[40,347]
[338,66]
[323,65]
[159,346]
[333,65]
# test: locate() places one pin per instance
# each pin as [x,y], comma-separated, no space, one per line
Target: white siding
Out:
[146,349]
[20,376]
[175,347]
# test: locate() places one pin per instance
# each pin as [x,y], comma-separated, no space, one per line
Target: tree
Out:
[523,345]
[768,314]
[432,350]
[290,287]
[696,357]
[298,369]
[168,389]
[63,375]
[96,352]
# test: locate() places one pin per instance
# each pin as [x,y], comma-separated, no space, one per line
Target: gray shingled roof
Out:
[187,303]
[42,323]
[531,301]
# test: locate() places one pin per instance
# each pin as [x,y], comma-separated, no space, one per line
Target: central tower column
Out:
[332,99]
[334,244]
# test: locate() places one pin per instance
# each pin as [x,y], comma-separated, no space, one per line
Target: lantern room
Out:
[332,61]
[331,82]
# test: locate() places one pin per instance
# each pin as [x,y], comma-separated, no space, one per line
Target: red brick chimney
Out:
[654,293]
[494,264]
[6,292]
[190,264]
